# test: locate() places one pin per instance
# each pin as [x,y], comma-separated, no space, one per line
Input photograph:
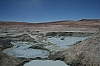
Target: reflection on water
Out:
[45,63]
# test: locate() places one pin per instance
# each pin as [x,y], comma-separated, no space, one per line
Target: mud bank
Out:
[23,37]
[78,34]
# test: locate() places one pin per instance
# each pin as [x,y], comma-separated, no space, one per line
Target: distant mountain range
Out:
[82,22]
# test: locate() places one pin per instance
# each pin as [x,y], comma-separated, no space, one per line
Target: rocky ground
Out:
[6,60]
[86,53]
[77,55]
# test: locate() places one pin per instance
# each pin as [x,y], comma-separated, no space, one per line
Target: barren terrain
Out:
[63,26]
[21,42]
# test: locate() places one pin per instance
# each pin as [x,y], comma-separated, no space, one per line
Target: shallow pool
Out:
[45,63]
[21,49]
[68,40]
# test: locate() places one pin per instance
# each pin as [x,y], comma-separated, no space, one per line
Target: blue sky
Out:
[48,10]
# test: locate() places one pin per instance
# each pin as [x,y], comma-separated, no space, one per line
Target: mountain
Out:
[90,25]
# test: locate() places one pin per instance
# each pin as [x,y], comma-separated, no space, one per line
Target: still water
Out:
[45,63]
[21,49]
[68,40]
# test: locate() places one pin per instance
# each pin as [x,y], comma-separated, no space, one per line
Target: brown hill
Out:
[83,22]
[67,25]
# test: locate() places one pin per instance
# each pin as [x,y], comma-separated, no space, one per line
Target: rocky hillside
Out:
[6,60]
[86,53]
[81,23]
[84,25]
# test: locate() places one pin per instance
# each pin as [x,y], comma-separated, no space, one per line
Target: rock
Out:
[77,42]
[4,44]
[86,53]
[51,34]
[24,60]
[78,34]
[24,37]
[39,46]
[6,60]
[62,38]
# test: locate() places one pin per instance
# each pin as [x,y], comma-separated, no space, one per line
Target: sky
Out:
[48,10]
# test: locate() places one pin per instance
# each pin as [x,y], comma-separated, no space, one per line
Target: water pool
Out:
[45,63]
[68,40]
[21,49]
